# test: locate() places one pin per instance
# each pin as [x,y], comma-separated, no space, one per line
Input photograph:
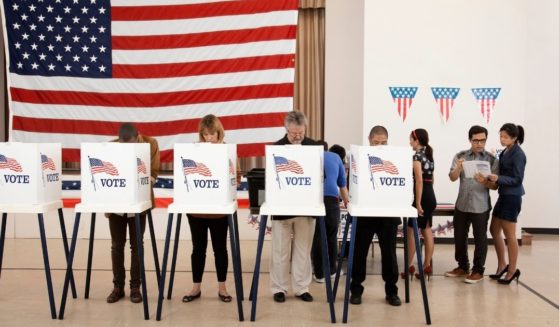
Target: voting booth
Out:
[294,187]
[30,182]
[30,173]
[205,174]
[205,182]
[115,178]
[115,173]
[381,185]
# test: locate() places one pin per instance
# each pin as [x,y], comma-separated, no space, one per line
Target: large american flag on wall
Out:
[78,68]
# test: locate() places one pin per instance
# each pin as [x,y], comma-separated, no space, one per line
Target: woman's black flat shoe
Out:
[225,298]
[190,298]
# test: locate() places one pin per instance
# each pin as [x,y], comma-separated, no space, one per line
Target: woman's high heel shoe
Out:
[499,274]
[411,270]
[427,271]
[516,276]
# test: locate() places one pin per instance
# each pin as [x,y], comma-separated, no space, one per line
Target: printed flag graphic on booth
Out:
[47,163]
[192,167]
[486,98]
[9,163]
[77,69]
[445,97]
[378,165]
[403,97]
[284,164]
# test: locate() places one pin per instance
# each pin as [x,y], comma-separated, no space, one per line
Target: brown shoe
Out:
[457,272]
[116,294]
[473,278]
[135,295]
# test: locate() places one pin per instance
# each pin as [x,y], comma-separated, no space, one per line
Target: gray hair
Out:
[296,118]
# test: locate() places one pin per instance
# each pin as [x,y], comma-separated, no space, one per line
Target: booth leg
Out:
[66,250]
[326,269]
[69,265]
[349,267]
[154,245]
[140,243]
[2,238]
[90,255]
[406,260]
[236,264]
[341,256]
[420,267]
[254,290]
[47,265]
[238,245]
[174,260]
[164,267]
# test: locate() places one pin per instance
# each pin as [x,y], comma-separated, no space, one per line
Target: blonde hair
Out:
[210,124]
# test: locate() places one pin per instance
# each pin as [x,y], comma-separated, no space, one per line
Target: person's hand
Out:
[152,180]
[419,210]
[480,178]
[493,177]
[459,163]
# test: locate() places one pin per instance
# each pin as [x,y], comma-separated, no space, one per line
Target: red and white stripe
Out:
[403,105]
[174,61]
[486,106]
[445,104]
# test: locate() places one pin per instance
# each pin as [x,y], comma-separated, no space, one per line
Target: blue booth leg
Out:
[47,265]
[236,263]
[349,267]
[421,275]
[90,255]
[164,267]
[326,269]
[174,260]
[140,243]
[260,244]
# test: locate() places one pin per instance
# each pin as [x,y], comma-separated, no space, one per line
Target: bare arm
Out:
[418,174]
[345,195]
[455,173]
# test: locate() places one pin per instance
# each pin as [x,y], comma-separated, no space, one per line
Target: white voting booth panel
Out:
[115,173]
[205,175]
[381,181]
[30,173]
[294,176]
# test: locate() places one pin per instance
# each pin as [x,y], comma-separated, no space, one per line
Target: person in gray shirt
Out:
[473,206]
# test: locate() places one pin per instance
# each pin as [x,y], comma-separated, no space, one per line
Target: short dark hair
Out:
[339,150]
[378,130]
[127,132]
[476,129]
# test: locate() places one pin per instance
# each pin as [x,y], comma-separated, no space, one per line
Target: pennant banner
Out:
[486,98]
[403,97]
[445,97]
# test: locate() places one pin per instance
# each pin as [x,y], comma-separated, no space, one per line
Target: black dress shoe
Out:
[307,297]
[116,294]
[393,300]
[135,295]
[279,297]
[355,299]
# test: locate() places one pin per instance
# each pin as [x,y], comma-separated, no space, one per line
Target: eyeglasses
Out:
[296,134]
[478,141]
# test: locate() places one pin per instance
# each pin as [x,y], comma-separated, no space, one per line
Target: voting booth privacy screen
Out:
[205,174]
[30,173]
[294,175]
[115,173]
[381,176]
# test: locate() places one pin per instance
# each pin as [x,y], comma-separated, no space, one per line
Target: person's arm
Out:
[155,159]
[344,193]
[456,168]
[518,165]
[418,174]
[485,181]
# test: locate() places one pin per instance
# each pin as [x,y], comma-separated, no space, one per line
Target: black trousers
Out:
[218,229]
[386,230]
[332,221]
[462,221]
[118,225]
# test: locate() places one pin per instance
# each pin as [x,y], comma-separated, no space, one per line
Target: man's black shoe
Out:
[355,299]
[307,297]
[393,300]
[279,297]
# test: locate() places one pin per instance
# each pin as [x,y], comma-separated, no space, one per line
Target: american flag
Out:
[403,97]
[192,167]
[445,97]
[283,164]
[47,163]
[378,165]
[353,165]
[141,166]
[486,99]
[9,163]
[78,68]
[100,166]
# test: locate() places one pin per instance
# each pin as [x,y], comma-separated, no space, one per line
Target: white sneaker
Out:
[318,280]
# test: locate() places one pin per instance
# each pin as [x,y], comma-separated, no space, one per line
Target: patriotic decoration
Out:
[486,100]
[99,166]
[9,163]
[192,167]
[403,97]
[445,97]
[353,165]
[47,163]
[283,164]
[141,166]
[78,69]
[379,165]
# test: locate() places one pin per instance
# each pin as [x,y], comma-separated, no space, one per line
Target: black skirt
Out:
[428,203]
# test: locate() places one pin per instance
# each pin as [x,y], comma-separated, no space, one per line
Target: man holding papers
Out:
[473,204]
